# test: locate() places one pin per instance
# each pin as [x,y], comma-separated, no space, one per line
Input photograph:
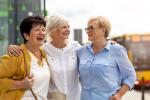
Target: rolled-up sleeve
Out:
[125,67]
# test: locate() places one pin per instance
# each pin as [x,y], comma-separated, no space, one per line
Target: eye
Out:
[90,27]
[43,29]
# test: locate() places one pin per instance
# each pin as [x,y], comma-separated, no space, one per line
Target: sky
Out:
[126,16]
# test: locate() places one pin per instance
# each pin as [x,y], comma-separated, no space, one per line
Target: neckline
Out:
[39,62]
[58,48]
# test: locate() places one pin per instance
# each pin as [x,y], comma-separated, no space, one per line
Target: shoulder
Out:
[117,49]
[7,59]
[45,45]
[74,44]
[83,48]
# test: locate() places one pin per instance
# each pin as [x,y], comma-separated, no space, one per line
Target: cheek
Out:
[43,32]
[32,36]
[57,32]
[98,34]
[60,34]
[90,33]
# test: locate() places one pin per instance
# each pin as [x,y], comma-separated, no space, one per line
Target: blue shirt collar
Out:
[107,47]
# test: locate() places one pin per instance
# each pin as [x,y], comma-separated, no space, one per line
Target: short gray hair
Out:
[53,22]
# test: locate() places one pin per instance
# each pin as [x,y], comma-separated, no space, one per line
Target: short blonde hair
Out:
[103,23]
[53,22]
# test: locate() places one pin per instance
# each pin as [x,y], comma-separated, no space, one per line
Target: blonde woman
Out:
[105,70]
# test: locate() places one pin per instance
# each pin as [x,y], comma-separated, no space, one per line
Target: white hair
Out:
[53,22]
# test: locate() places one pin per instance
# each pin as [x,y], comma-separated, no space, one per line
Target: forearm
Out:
[7,84]
[26,83]
[17,85]
[124,88]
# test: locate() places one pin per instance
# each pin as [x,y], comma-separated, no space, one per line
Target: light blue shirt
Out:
[102,74]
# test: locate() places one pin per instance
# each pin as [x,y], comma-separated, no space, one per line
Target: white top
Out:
[64,71]
[41,77]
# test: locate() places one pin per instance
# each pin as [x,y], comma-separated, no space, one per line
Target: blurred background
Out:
[130,21]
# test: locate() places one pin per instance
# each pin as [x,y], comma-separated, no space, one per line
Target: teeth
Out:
[39,38]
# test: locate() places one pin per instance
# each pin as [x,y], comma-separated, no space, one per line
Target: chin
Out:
[40,44]
[66,37]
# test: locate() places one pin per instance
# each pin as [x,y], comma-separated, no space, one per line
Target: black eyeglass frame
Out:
[90,28]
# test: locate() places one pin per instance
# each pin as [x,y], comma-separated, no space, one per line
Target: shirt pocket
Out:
[102,76]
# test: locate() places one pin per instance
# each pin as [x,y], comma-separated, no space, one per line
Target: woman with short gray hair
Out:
[61,54]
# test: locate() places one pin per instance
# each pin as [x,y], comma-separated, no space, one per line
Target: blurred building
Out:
[78,35]
[11,14]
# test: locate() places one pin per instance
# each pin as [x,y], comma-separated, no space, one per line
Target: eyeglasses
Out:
[90,29]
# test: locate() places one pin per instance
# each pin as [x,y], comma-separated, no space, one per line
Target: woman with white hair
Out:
[62,57]
[61,54]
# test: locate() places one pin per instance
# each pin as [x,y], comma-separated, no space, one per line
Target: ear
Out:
[53,31]
[26,36]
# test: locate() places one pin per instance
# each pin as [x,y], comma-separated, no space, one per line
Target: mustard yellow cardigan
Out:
[12,68]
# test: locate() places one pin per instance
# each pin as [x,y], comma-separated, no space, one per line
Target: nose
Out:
[68,28]
[88,32]
[42,31]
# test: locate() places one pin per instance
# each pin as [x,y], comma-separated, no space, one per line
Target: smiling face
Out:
[36,36]
[58,28]
[32,29]
[98,28]
[94,31]
[61,32]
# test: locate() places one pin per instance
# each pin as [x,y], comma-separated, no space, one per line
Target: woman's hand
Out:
[115,97]
[26,83]
[14,50]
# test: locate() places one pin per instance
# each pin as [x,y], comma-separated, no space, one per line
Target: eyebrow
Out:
[92,26]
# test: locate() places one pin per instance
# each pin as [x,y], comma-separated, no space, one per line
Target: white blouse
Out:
[64,71]
[41,77]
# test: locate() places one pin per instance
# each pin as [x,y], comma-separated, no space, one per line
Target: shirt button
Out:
[52,59]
